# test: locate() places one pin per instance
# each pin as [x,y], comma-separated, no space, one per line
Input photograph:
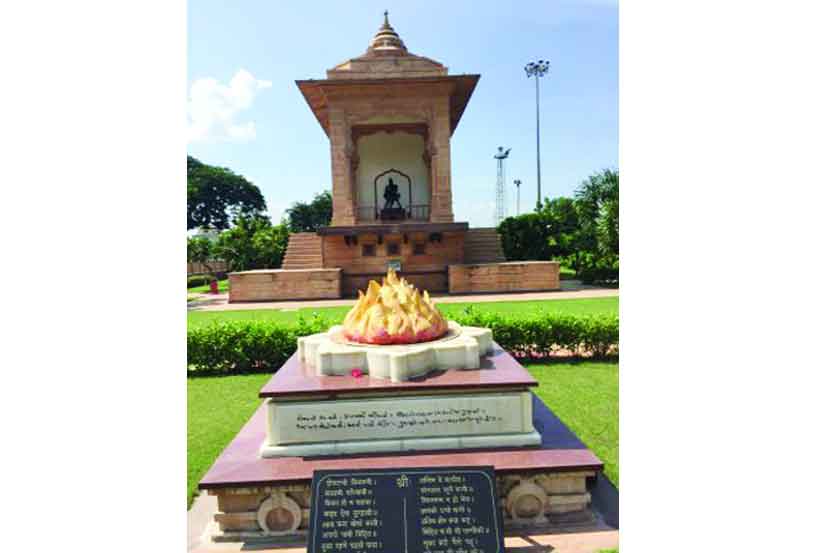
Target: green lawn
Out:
[583,394]
[217,407]
[582,306]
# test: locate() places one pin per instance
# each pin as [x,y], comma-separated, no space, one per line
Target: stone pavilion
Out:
[389,115]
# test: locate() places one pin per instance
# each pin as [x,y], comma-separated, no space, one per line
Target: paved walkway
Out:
[570,290]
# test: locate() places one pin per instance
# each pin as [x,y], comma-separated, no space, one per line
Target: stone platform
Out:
[509,276]
[483,417]
[283,284]
[269,498]
[333,283]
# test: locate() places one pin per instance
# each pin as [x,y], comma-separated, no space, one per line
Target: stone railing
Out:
[414,212]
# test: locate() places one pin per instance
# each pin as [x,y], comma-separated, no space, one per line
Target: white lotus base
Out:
[329,354]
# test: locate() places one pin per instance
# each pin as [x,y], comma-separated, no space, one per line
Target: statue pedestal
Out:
[392,214]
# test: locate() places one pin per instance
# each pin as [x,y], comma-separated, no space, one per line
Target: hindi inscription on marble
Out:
[400,417]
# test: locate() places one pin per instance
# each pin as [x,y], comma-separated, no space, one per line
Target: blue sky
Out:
[247,114]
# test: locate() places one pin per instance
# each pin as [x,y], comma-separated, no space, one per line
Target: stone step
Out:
[304,251]
[483,245]
[308,251]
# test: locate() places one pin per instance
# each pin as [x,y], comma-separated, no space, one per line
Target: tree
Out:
[199,250]
[253,243]
[597,245]
[583,231]
[309,217]
[562,223]
[216,195]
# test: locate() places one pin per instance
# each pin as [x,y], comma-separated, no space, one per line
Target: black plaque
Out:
[434,510]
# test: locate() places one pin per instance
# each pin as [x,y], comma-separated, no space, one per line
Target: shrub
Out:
[199,280]
[548,233]
[263,346]
[526,237]
[595,268]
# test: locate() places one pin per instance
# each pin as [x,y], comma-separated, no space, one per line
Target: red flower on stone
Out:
[357,373]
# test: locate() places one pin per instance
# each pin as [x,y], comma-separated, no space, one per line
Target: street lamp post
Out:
[500,157]
[518,183]
[537,69]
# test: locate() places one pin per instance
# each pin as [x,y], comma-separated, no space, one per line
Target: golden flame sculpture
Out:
[393,313]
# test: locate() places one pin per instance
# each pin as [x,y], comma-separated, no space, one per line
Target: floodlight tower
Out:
[500,156]
[537,69]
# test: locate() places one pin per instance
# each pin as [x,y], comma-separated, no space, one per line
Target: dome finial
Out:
[386,39]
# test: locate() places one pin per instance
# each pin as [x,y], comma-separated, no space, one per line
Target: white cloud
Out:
[213,108]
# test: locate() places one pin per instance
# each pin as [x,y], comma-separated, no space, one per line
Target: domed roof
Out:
[386,39]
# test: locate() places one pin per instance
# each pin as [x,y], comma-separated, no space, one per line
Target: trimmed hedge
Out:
[545,334]
[234,347]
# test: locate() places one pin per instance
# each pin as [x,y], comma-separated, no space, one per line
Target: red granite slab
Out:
[498,370]
[240,464]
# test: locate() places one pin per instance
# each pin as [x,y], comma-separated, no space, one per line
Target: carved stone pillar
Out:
[428,155]
[342,151]
[353,160]
[441,197]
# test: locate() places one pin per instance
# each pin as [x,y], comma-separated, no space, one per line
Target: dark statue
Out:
[391,195]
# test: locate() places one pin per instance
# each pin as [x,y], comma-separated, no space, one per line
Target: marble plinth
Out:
[408,423]
[310,414]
